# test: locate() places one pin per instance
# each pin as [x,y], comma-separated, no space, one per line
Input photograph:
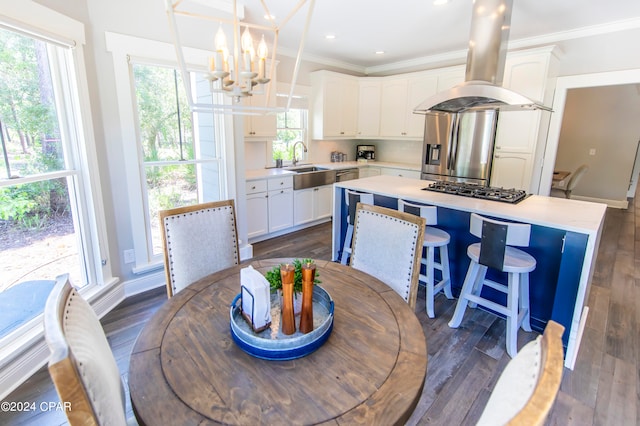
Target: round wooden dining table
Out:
[185,368]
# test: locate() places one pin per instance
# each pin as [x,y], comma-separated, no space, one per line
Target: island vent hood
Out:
[482,88]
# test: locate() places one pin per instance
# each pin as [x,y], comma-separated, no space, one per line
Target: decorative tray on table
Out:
[272,344]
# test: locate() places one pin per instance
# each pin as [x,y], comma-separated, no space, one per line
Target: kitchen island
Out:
[565,235]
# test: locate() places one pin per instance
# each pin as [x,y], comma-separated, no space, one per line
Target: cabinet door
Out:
[261,126]
[392,108]
[257,214]
[451,77]
[369,171]
[323,201]
[280,209]
[349,108]
[369,108]
[303,206]
[511,170]
[418,89]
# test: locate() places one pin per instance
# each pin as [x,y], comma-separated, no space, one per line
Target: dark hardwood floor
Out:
[464,363]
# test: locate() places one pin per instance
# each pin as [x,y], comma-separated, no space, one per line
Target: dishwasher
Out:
[347,174]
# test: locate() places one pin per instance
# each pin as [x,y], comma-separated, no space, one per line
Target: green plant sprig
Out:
[275,280]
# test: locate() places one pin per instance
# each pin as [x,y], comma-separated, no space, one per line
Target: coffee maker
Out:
[366,153]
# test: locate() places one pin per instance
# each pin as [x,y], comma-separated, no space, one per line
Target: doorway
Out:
[563,87]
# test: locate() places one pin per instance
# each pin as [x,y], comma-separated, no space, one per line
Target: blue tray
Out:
[271,344]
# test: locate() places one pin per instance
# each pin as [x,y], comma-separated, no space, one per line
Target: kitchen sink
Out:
[312,176]
[306,169]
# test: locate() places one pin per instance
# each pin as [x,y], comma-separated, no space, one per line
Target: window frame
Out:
[125,51]
[22,352]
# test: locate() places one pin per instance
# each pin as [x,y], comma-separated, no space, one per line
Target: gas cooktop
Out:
[474,190]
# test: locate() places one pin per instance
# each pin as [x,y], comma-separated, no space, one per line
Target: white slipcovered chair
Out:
[574,178]
[387,244]
[81,365]
[198,240]
[529,384]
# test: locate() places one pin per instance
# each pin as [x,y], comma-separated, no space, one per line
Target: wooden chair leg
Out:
[430,282]
[512,314]
[346,248]
[467,288]
[524,301]
[477,285]
[446,271]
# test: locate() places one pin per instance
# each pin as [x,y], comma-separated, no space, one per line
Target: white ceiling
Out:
[416,30]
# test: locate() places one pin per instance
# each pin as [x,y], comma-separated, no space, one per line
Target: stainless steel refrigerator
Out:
[459,146]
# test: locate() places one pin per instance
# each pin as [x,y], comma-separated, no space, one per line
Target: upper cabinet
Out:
[369,108]
[521,135]
[399,96]
[261,126]
[334,105]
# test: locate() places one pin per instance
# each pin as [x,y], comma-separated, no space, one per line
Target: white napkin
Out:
[256,301]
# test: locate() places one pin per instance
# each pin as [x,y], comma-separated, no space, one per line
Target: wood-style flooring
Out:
[464,363]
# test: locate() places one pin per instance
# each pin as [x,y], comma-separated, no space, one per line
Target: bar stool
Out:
[494,251]
[433,238]
[352,198]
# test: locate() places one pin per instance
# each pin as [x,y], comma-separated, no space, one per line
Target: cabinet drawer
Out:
[254,186]
[280,183]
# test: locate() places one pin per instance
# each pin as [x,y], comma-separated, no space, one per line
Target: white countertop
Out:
[570,215]
[274,172]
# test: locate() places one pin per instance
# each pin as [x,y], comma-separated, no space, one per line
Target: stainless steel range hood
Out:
[482,89]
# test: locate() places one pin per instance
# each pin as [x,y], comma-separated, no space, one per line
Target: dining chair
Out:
[198,240]
[388,245]
[574,178]
[81,365]
[495,250]
[528,386]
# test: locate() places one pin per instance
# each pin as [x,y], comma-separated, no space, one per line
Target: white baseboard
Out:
[616,204]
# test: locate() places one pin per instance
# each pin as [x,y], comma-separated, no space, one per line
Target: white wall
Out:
[603,121]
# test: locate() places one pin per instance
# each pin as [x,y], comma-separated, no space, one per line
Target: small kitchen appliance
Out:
[366,153]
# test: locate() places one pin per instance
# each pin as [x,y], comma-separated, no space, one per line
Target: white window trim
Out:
[123,48]
[25,352]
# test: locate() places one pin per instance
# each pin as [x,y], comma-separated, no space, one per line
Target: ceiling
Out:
[412,33]
[414,30]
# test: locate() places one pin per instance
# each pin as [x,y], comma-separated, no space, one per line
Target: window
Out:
[46,222]
[180,153]
[291,127]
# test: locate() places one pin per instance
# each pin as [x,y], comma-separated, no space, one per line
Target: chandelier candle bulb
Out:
[287,275]
[306,315]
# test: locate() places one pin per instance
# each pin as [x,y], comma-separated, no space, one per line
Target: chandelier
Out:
[245,68]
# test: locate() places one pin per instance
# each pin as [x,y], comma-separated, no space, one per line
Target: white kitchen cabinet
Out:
[257,208]
[520,135]
[449,77]
[264,125]
[512,170]
[312,204]
[369,92]
[280,209]
[399,97]
[269,205]
[390,171]
[369,171]
[334,105]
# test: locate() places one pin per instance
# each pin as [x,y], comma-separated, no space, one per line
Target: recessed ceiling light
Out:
[330,36]
[269,17]
[379,52]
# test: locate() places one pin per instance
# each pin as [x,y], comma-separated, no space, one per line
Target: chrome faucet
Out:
[295,160]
